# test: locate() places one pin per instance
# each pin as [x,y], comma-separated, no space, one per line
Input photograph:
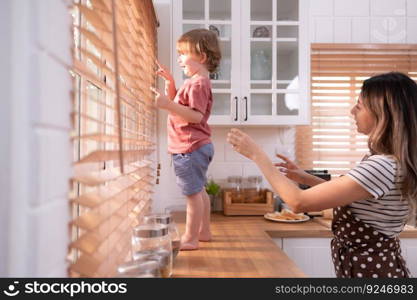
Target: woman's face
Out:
[365,120]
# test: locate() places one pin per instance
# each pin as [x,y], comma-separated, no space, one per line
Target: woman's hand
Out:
[293,172]
[290,169]
[244,144]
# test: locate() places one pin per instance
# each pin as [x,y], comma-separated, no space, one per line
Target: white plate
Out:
[268,216]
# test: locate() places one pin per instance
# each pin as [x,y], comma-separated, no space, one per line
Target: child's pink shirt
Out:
[185,137]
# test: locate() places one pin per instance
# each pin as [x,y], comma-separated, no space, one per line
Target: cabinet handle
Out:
[246,108]
[236,102]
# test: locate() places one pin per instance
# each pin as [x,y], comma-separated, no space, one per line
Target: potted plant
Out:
[213,190]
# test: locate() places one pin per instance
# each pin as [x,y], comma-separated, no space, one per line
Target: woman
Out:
[373,201]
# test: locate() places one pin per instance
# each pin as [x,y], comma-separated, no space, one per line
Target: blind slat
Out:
[98,42]
[114,190]
[113,139]
[100,5]
[92,178]
[93,17]
[107,155]
[91,241]
[87,265]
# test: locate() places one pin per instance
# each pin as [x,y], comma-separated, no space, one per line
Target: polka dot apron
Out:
[360,251]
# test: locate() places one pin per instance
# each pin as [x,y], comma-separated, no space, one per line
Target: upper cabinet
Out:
[263,77]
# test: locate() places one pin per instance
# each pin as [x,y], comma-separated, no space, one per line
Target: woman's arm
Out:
[337,192]
[293,172]
[329,194]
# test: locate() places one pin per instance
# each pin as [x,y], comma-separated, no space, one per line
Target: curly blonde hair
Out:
[199,42]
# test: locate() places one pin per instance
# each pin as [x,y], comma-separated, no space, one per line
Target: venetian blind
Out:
[337,73]
[114,130]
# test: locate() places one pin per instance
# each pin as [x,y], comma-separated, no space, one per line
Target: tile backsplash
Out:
[226,162]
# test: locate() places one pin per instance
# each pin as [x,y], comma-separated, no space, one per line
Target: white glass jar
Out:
[166,219]
[153,242]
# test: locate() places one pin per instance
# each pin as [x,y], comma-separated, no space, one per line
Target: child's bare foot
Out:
[188,244]
[204,236]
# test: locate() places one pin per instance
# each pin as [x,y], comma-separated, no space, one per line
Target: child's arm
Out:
[170,89]
[188,114]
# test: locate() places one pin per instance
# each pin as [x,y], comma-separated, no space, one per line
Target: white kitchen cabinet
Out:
[313,255]
[409,250]
[264,73]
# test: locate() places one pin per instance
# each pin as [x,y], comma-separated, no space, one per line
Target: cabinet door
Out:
[409,250]
[312,255]
[223,17]
[263,76]
[274,77]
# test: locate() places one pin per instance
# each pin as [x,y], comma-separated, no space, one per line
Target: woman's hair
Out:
[392,99]
[199,41]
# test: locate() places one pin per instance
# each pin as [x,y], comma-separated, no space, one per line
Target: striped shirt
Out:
[387,212]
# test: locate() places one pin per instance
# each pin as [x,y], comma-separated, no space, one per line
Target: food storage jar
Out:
[153,242]
[166,219]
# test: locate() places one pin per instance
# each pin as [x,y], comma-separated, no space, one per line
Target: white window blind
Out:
[113,130]
[337,71]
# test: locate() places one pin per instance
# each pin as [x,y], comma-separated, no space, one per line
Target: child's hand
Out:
[164,72]
[161,101]
[170,89]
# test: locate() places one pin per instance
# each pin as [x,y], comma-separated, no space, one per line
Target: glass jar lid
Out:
[150,230]
[159,218]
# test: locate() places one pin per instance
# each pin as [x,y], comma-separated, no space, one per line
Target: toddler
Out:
[189,134]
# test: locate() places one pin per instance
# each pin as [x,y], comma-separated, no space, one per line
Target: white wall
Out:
[363,21]
[36,95]
[5,111]
[331,21]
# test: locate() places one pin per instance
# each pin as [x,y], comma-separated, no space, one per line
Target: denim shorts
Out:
[191,168]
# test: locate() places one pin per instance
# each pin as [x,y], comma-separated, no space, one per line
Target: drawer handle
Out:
[236,102]
[246,108]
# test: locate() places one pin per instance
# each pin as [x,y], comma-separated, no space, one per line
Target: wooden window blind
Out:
[337,72]
[113,130]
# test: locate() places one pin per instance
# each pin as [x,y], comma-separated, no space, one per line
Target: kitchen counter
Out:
[242,246]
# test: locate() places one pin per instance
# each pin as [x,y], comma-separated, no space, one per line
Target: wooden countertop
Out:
[408,232]
[242,246]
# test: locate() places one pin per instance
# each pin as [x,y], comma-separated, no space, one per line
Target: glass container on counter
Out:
[166,219]
[256,181]
[145,268]
[152,242]
[236,182]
